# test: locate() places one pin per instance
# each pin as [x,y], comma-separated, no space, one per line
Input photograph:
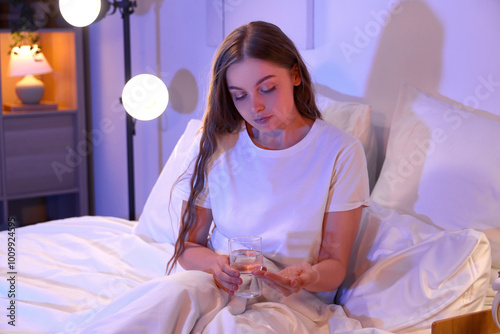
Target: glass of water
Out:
[245,255]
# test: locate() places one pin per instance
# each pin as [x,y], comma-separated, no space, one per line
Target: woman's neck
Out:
[280,139]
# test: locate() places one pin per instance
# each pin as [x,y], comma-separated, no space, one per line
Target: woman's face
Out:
[263,93]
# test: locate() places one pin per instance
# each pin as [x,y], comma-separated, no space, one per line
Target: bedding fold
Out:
[76,274]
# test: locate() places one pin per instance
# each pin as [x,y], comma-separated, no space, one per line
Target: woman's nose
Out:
[257,104]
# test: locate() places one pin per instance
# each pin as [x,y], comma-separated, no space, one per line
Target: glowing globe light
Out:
[80,13]
[145,97]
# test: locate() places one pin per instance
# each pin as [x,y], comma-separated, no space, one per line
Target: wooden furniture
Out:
[43,153]
[474,323]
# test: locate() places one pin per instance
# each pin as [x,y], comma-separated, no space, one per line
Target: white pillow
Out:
[355,119]
[160,218]
[443,166]
[159,221]
[404,273]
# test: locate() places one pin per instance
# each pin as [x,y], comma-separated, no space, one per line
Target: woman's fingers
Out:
[259,272]
[277,278]
[276,281]
[226,277]
[283,289]
[223,262]
[290,280]
[272,276]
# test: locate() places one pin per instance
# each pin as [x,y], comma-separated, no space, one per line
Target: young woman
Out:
[266,164]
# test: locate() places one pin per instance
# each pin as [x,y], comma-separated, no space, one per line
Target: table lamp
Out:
[28,61]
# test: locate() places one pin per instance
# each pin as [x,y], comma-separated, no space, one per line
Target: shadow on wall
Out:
[409,49]
[184,92]
[335,95]
[183,88]
[144,6]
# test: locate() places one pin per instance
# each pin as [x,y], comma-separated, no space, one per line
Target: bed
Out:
[427,248]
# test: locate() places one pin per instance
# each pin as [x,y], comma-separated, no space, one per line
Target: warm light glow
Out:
[25,60]
[145,97]
[80,13]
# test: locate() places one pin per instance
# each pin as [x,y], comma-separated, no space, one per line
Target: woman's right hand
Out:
[226,278]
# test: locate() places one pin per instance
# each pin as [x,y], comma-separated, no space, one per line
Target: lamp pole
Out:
[127,9]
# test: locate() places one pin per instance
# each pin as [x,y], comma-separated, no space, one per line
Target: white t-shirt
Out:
[282,195]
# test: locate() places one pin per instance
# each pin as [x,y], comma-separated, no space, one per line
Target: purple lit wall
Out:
[362,50]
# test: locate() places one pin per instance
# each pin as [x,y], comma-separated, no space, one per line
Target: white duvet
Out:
[94,275]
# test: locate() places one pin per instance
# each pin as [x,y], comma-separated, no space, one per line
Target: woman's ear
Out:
[297,80]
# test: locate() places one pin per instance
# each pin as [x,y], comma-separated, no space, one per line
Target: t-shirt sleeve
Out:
[182,188]
[349,187]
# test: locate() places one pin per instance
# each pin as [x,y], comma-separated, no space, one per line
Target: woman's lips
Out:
[262,120]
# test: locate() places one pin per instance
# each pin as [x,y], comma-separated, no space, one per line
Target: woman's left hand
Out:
[291,279]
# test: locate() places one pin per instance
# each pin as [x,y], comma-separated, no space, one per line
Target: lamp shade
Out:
[145,97]
[25,60]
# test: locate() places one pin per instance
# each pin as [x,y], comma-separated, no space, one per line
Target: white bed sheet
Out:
[72,274]
[96,275]
[69,269]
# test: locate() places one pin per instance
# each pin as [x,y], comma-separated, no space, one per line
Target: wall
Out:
[363,51]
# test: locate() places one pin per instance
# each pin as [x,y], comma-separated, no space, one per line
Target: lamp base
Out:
[30,90]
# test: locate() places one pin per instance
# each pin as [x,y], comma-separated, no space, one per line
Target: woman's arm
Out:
[197,256]
[339,231]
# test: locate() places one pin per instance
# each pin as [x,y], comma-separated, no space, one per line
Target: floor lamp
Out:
[127,9]
[153,97]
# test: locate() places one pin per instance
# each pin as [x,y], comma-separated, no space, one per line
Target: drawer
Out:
[40,154]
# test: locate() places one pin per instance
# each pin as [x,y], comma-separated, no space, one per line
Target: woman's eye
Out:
[239,97]
[268,89]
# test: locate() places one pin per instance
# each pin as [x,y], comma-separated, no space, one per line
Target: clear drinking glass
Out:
[245,255]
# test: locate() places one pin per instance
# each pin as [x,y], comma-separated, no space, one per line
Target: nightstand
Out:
[480,322]
[43,153]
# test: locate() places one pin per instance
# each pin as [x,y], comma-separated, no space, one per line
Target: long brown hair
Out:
[260,40]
